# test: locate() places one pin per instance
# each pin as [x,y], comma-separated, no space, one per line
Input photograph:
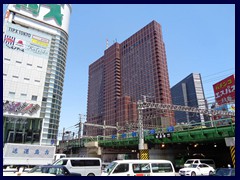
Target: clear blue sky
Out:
[198,38]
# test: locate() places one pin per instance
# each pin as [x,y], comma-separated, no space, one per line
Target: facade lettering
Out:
[16,31]
[55,11]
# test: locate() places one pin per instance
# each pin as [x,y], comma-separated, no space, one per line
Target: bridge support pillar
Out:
[144,154]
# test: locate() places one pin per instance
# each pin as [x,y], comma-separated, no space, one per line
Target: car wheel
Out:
[193,174]
[91,174]
[210,173]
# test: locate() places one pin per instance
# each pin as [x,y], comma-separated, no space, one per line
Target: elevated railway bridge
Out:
[213,139]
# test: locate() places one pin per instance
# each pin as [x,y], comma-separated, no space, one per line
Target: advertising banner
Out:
[26,40]
[224,90]
[20,108]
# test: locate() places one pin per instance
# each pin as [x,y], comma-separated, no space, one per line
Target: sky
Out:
[198,39]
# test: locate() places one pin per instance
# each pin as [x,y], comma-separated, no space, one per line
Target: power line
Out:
[217,78]
[217,72]
[210,99]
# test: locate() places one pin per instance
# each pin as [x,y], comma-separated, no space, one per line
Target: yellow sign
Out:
[40,41]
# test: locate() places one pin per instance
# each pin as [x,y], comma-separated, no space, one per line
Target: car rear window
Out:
[161,167]
[141,168]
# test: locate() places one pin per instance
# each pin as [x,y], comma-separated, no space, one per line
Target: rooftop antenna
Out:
[106,43]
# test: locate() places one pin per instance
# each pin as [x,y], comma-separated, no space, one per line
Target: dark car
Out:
[58,170]
[225,172]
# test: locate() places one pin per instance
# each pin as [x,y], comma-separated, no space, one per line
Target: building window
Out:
[29,64]
[19,62]
[11,94]
[39,67]
[7,59]
[37,80]
[27,79]
[15,76]
[34,98]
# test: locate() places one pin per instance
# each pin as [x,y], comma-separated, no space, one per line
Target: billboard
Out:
[20,108]
[57,15]
[224,90]
[26,40]
[226,107]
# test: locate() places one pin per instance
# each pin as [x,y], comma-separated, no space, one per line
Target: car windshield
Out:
[35,169]
[189,162]
[223,172]
[110,167]
[193,165]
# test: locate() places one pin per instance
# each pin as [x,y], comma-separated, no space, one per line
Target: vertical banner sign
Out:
[224,90]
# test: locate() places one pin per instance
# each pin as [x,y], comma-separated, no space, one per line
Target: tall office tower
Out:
[189,92]
[134,70]
[35,41]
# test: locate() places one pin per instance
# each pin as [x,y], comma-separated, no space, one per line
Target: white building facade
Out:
[35,42]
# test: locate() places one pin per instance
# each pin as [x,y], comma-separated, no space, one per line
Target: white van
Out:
[210,162]
[86,166]
[139,168]
[58,156]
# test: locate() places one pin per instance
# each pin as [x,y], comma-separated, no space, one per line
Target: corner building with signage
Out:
[35,42]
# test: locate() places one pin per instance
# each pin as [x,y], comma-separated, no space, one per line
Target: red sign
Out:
[224,90]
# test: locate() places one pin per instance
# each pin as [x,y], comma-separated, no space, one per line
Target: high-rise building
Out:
[189,92]
[134,70]
[35,42]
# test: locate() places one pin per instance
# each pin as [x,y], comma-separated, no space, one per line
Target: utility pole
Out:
[140,126]
[62,147]
[140,122]
[104,127]
[80,128]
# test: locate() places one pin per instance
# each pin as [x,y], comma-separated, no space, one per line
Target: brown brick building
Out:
[125,74]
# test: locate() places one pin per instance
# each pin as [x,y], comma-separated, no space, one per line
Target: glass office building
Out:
[189,92]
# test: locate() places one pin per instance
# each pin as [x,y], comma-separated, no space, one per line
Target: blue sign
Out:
[170,129]
[152,131]
[134,134]
[124,135]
